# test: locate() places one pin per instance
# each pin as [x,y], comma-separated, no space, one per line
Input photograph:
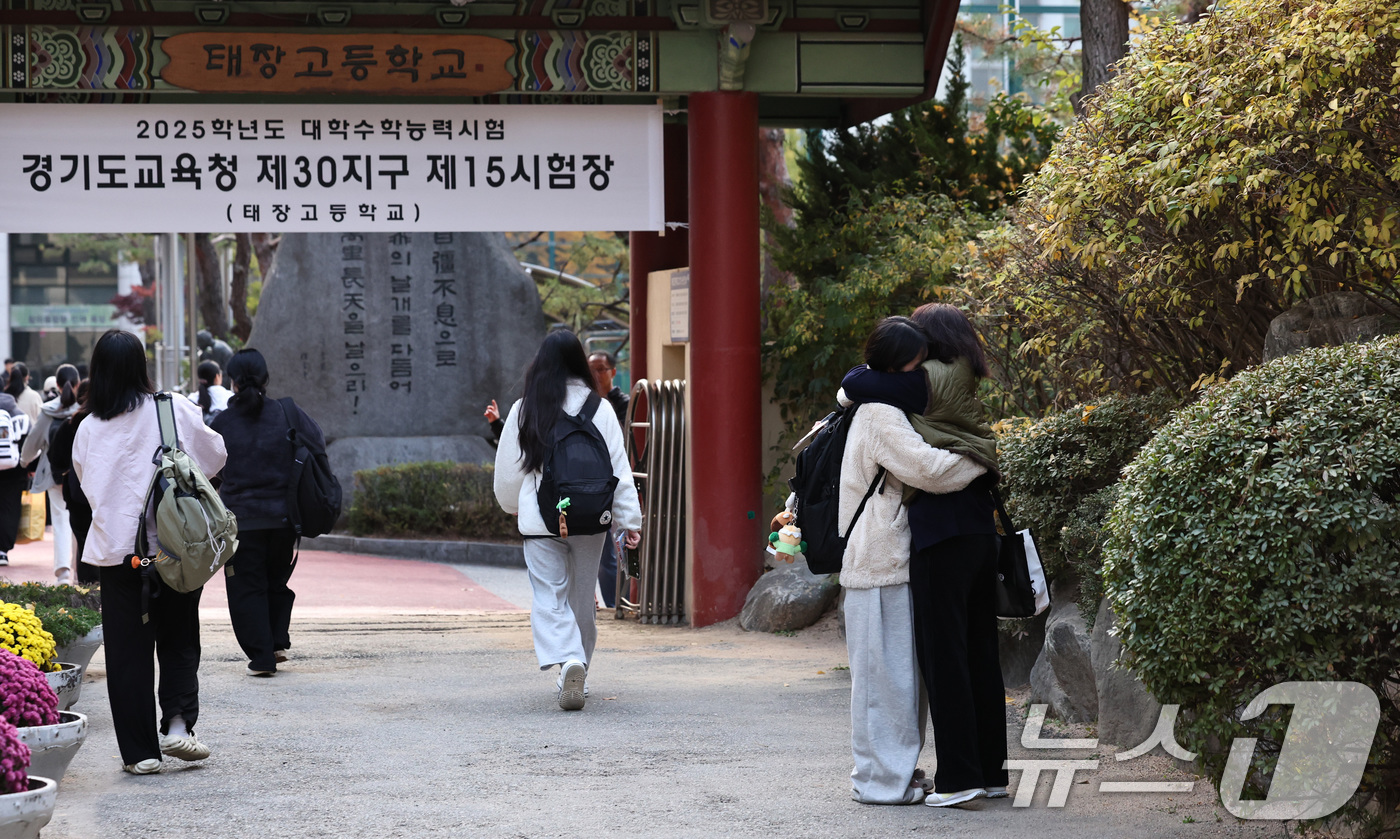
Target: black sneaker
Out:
[4,558]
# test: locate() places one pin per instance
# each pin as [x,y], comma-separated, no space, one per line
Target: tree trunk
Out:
[1104,26]
[238,287]
[265,248]
[212,307]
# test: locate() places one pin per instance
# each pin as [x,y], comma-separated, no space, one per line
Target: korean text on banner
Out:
[317,168]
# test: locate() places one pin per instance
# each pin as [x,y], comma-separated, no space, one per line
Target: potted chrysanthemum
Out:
[28,703]
[23,633]
[72,614]
[26,801]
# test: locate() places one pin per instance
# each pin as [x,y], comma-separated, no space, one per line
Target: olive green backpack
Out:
[195,533]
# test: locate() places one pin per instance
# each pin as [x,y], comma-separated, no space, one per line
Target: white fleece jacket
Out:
[877,553]
[516,490]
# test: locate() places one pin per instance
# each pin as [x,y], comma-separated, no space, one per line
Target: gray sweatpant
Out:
[563,574]
[888,704]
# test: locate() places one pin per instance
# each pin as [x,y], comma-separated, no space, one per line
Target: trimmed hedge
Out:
[1058,475]
[446,500]
[1256,540]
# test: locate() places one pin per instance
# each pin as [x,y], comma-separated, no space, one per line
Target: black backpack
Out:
[313,494]
[817,485]
[577,482]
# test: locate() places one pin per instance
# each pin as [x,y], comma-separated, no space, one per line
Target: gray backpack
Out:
[195,533]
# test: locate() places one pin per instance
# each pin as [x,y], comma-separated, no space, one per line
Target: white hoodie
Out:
[517,491]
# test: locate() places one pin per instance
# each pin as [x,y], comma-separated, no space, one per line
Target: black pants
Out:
[172,635]
[259,602]
[607,572]
[955,635]
[13,484]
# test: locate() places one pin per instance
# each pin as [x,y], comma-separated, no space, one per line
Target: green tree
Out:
[881,214]
[1229,170]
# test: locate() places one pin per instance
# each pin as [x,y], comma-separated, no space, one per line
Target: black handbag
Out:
[1021,587]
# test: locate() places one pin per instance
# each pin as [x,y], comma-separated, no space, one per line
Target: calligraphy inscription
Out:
[313,62]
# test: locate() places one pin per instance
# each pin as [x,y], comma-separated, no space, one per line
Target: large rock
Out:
[1326,321]
[1063,675]
[1019,653]
[788,597]
[395,336]
[1127,712]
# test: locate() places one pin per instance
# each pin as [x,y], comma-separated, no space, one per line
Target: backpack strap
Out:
[298,466]
[879,481]
[590,406]
[1001,511]
[165,415]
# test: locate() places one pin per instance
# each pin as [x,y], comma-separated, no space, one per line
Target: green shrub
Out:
[1059,472]
[1255,542]
[429,499]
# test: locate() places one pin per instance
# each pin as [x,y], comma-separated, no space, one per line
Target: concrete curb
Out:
[430,550]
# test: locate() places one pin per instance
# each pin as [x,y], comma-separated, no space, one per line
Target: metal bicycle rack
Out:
[656,448]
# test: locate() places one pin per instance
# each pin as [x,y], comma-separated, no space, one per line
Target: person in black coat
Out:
[60,455]
[257,488]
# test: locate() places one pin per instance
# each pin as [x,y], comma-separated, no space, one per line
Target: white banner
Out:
[316,168]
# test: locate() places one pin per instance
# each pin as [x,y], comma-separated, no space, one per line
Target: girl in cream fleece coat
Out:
[888,708]
[563,572]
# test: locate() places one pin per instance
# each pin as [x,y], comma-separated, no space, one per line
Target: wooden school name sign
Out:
[315,62]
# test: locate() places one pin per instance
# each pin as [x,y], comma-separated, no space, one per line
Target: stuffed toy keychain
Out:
[785,542]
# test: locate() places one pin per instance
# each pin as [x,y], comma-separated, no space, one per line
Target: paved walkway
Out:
[419,719]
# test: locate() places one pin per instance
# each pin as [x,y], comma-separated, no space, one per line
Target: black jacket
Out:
[259,466]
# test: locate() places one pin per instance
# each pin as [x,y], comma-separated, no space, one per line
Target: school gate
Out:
[680,88]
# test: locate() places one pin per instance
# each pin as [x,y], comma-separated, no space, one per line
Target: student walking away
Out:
[142,617]
[954,565]
[561,468]
[212,397]
[883,455]
[60,457]
[604,368]
[28,399]
[257,487]
[51,417]
[14,478]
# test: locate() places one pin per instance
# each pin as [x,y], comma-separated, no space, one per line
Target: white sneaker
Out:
[997,792]
[5,560]
[559,683]
[149,766]
[950,799]
[571,687]
[64,578]
[185,748]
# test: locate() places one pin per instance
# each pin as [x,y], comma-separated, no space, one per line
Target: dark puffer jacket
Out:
[259,466]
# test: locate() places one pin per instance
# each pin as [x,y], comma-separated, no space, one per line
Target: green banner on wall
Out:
[98,317]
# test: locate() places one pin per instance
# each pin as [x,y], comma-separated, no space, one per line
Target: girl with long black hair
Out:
[563,571]
[255,487]
[112,453]
[212,397]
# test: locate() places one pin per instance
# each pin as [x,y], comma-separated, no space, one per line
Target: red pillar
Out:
[726,456]
[655,252]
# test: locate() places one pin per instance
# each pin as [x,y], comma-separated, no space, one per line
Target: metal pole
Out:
[192,303]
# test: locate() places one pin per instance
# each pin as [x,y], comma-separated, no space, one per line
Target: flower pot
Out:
[23,814]
[52,747]
[80,652]
[67,682]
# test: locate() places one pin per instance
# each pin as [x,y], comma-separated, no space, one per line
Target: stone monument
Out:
[395,343]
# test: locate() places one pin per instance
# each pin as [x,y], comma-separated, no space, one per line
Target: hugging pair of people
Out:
[920,565]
